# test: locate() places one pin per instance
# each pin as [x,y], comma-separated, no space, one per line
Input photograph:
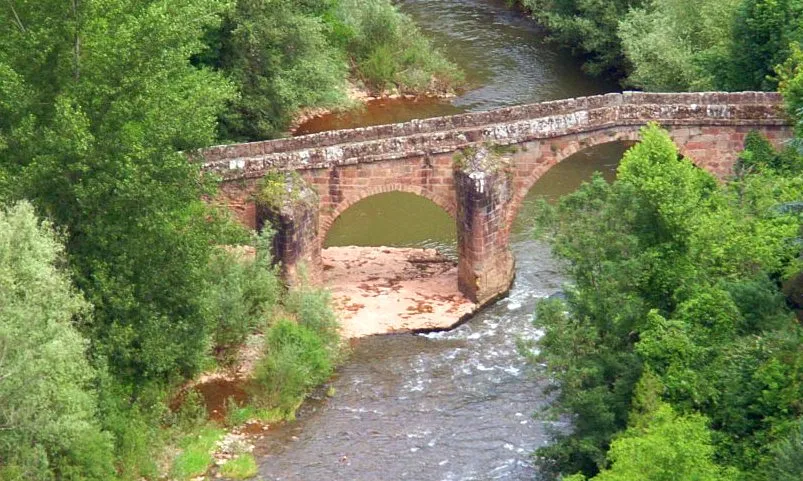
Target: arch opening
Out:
[395,219]
[389,260]
[566,177]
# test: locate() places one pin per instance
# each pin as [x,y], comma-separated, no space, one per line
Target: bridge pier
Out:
[484,190]
[291,207]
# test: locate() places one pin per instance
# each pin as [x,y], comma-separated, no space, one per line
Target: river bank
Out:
[393,290]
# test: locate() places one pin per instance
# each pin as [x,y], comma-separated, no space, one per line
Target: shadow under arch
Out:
[394,218]
[564,178]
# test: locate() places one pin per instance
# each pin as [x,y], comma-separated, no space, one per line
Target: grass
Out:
[196,455]
[243,466]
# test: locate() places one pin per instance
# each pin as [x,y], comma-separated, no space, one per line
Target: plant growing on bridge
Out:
[279,188]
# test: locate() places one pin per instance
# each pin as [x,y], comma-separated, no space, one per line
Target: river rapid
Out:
[454,405]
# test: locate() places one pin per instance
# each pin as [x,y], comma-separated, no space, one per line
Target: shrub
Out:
[242,292]
[296,360]
[312,307]
[48,425]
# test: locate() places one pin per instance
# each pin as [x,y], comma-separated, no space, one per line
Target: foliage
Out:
[760,156]
[787,463]
[243,466]
[289,55]
[48,424]
[196,458]
[279,56]
[242,294]
[313,309]
[763,33]
[388,50]
[588,27]
[660,445]
[676,275]
[790,76]
[295,361]
[677,45]
[110,99]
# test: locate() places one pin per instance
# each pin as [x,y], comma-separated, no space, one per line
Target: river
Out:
[454,405]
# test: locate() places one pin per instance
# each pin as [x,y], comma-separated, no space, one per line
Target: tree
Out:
[588,27]
[764,32]
[101,99]
[675,275]
[48,426]
[677,45]
[279,56]
[668,447]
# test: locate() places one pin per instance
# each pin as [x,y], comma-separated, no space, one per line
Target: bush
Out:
[312,308]
[296,359]
[48,416]
[388,50]
[242,293]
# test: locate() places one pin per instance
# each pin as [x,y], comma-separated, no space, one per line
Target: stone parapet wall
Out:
[502,126]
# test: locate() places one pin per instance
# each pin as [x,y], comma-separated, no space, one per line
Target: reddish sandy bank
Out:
[378,290]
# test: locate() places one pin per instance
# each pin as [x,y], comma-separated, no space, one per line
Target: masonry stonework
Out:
[294,218]
[343,167]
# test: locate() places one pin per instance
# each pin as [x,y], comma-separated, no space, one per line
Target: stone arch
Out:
[560,149]
[448,205]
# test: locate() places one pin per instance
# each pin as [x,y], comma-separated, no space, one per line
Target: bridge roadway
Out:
[478,167]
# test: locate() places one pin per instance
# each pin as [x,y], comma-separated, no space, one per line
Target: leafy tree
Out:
[787,464]
[100,100]
[289,55]
[790,75]
[279,56]
[48,426]
[763,33]
[677,45]
[675,275]
[589,27]
[668,447]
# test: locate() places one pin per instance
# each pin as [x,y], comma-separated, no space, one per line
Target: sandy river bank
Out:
[378,290]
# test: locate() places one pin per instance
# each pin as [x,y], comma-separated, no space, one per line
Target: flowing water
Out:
[503,54]
[454,405]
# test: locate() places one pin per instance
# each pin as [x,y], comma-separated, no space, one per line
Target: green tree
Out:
[677,45]
[101,99]
[48,426]
[296,54]
[668,447]
[589,27]
[677,275]
[764,31]
[279,56]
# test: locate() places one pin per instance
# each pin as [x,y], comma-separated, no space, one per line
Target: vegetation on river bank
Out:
[676,354]
[285,56]
[97,100]
[677,45]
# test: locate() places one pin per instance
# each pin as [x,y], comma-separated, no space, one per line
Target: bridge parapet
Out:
[509,125]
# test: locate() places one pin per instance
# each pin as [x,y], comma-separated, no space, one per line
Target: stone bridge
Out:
[478,167]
